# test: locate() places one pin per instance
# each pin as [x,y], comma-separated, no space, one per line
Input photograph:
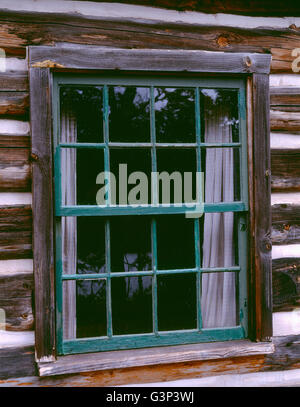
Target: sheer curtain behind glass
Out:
[218,289]
[69,224]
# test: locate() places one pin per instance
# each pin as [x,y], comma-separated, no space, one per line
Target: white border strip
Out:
[14,127]
[285,198]
[284,80]
[18,266]
[291,250]
[15,198]
[281,141]
[10,339]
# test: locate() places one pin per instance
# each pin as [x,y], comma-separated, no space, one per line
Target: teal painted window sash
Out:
[157,338]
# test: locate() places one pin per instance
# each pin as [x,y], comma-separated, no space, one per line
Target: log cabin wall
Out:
[127,26]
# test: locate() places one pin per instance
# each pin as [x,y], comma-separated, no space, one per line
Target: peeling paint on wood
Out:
[47,64]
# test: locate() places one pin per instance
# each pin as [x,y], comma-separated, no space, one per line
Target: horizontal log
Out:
[285,224]
[284,96]
[15,218]
[14,81]
[15,169]
[146,374]
[286,355]
[15,232]
[286,283]
[15,245]
[286,214]
[14,103]
[287,109]
[265,8]
[16,301]
[8,140]
[22,29]
[284,120]
[285,234]
[285,168]
[17,362]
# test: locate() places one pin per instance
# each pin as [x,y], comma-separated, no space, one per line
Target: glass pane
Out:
[81,114]
[84,308]
[79,170]
[176,302]
[130,238]
[129,119]
[175,115]
[132,171]
[221,167]
[175,242]
[131,305]
[90,245]
[83,244]
[177,184]
[219,115]
[219,300]
[219,237]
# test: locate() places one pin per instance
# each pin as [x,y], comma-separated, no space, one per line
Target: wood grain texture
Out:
[15,218]
[147,374]
[16,81]
[42,209]
[286,284]
[21,29]
[286,355]
[285,119]
[286,213]
[16,300]
[160,355]
[285,167]
[285,224]
[8,140]
[15,169]
[91,57]
[280,96]
[14,103]
[284,234]
[17,362]
[15,245]
[261,234]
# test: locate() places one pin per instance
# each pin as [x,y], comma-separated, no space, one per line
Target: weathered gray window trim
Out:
[255,67]
[88,362]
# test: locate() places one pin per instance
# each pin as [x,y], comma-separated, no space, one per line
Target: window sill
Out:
[152,356]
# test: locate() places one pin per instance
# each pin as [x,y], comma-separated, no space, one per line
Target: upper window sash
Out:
[196,83]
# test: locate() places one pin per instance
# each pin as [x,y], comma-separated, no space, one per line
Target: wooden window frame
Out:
[89,59]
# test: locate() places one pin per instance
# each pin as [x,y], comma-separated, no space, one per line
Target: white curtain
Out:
[218,289]
[69,224]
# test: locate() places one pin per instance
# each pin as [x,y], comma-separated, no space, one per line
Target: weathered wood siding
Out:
[20,29]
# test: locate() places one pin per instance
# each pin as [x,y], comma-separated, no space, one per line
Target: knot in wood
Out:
[268,246]
[34,157]
[222,41]
[248,61]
